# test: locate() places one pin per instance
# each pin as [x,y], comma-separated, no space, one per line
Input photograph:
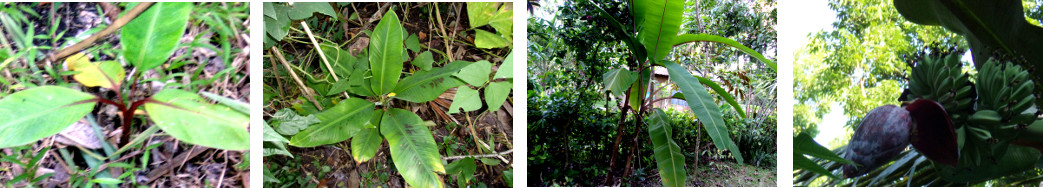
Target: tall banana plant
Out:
[657,23]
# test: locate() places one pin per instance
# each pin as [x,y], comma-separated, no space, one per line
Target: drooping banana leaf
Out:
[704,107]
[686,38]
[668,156]
[720,91]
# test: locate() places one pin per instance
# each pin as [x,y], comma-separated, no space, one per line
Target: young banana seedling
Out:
[379,88]
[148,41]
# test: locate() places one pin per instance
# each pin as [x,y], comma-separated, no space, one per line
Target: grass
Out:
[730,174]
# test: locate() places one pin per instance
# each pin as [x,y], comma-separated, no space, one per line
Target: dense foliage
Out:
[574,122]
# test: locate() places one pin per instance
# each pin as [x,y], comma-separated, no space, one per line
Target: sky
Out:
[547,9]
[794,29]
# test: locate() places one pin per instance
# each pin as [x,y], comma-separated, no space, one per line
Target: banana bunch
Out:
[942,79]
[1004,108]
[987,114]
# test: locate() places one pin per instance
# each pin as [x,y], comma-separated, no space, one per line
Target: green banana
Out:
[985,117]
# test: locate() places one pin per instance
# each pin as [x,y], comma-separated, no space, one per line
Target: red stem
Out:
[118,105]
[128,115]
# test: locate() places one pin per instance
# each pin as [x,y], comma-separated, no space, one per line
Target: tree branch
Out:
[304,88]
[479,156]
[133,13]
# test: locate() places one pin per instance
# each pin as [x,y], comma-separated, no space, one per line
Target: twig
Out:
[224,170]
[313,180]
[133,13]
[307,92]
[448,46]
[322,55]
[379,13]
[479,156]
[474,135]
[456,25]
[111,11]
[173,164]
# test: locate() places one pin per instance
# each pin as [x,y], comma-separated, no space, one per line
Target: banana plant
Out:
[982,130]
[376,83]
[657,23]
[970,131]
[992,28]
[148,41]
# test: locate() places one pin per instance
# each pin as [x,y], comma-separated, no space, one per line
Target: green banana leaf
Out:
[720,91]
[618,80]
[660,20]
[668,156]
[150,39]
[366,143]
[686,38]
[425,86]
[39,112]
[191,119]
[385,53]
[336,124]
[704,107]
[413,149]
